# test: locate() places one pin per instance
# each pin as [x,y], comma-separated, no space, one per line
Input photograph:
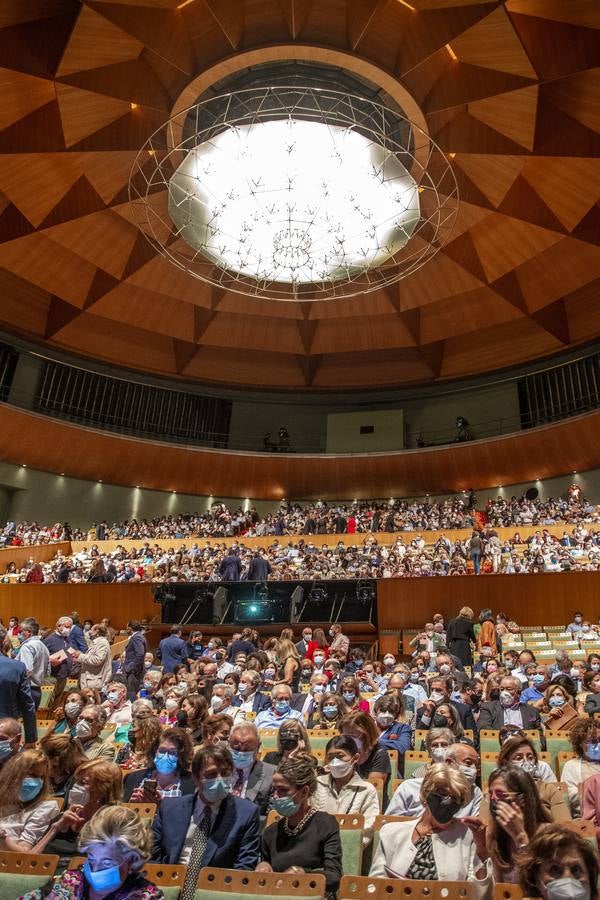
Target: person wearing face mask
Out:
[209,827]
[10,740]
[168,775]
[68,714]
[26,807]
[440,688]
[221,700]
[90,723]
[96,663]
[539,681]
[280,710]
[252,778]
[328,714]
[373,759]
[588,700]
[584,736]
[341,790]
[57,643]
[519,751]
[340,643]
[516,813]
[393,723]
[116,843]
[304,838]
[350,691]
[143,739]
[559,864]
[249,698]
[509,710]
[439,844]
[436,744]
[406,801]
[308,703]
[303,644]
[117,706]
[557,709]
[575,627]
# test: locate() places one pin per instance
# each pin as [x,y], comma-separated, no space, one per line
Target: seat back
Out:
[377,779]
[413,759]
[47,695]
[506,891]
[44,726]
[170,878]
[353,888]
[489,740]
[24,872]
[393,755]
[268,738]
[232,883]
[557,742]
[144,810]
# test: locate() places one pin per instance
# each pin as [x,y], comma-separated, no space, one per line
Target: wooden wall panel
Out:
[47,602]
[40,552]
[50,445]
[529,599]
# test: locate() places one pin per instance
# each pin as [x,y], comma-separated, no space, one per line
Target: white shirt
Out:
[30,825]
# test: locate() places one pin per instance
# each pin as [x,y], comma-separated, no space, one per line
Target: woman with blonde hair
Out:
[64,754]
[289,664]
[460,636]
[437,844]
[117,844]
[26,807]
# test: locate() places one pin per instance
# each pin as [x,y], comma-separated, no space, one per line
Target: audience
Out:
[559,863]
[341,790]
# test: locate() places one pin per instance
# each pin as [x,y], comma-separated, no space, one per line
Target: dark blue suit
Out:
[77,640]
[234,841]
[172,651]
[15,696]
[260,702]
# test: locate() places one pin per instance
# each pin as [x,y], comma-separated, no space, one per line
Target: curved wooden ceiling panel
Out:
[44,443]
[514,104]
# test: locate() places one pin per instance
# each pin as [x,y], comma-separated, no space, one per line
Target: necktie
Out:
[199,842]
[239,783]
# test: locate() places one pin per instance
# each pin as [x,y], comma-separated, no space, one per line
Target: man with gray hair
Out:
[252,778]
[249,698]
[35,657]
[57,643]
[90,723]
[280,710]
[407,801]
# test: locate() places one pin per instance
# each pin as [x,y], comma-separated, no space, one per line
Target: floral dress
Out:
[73,886]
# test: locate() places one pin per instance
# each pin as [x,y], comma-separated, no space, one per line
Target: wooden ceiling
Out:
[54,446]
[508,89]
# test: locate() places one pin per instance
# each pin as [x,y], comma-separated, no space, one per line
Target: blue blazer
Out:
[260,702]
[234,842]
[172,651]
[15,696]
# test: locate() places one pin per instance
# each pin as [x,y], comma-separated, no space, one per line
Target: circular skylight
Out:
[294,201]
[294,193]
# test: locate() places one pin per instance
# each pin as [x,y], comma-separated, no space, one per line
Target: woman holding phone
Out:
[168,776]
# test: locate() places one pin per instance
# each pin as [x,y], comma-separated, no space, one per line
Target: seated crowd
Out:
[292,518]
[303,559]
[244,750]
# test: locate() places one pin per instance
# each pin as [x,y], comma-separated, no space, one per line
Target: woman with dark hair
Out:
[341,790]
[588,699]
[168,774]
[350,691]
[559,863]
[395,732]
[194,711]
[521,752]
[304,839]
[327,715]
[372,758]
[460,636]
[516,814]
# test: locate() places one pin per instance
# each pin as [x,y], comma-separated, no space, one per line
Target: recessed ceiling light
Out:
[451,52]
[23,465]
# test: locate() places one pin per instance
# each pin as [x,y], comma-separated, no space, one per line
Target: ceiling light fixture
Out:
[451,52]
[294,193]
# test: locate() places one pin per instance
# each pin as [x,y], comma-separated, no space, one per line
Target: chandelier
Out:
[294,193]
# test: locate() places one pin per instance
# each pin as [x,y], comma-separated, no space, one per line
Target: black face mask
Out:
[443,809]
[439,721]
[493,808]
[494,694]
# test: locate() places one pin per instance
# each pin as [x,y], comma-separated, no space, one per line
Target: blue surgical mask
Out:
[30,788]
[538,679]
[592,751]
[242,759]
[556,701]
[216,789]
[282,706]
[103,879]
[5,750]
[349,696]
[112,697]
[165,764]
[285,806]
[359,662]
[330,712]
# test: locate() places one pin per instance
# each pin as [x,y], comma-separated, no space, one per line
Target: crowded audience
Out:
[244,748]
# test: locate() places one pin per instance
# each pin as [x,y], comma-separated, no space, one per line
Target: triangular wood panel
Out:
[494,44]
[96,42]
[83,113]
[512,114]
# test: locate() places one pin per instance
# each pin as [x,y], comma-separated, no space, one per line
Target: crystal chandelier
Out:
[294,193]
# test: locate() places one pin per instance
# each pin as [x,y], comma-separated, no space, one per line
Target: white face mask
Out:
[339,768]
[79,795]
[470,772]
[171,704]
[385,719]
[506,698]
[567,889]
[436,696]
[438,754]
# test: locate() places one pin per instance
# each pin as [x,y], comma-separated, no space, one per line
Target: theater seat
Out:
[169,879]
[237,885]
[352,888]
[506,891]
[23,872]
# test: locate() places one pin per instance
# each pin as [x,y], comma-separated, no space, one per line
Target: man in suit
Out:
[440,690]
[302,646]
[172,650]
[210,827]
[259,567]
[307,703]
[135,656]
[15,694]
[252,778]
[249,698]
[509,710]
